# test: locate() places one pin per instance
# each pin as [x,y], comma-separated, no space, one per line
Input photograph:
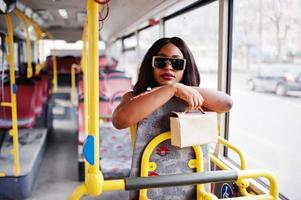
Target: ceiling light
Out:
[63,13]
[3,6]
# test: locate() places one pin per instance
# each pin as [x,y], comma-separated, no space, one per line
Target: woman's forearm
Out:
[136,108]
[215,100]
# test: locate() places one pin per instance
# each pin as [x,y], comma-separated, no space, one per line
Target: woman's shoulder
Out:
[128,95]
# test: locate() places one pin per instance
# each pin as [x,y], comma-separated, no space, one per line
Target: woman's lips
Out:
[167,76]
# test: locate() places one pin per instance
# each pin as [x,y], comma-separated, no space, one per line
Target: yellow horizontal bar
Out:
[110,185]
[6,104]
[219,163]
[2,174]
[242,174]
[79,191]
[236,149]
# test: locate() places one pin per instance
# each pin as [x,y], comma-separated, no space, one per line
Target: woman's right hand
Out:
[191,96]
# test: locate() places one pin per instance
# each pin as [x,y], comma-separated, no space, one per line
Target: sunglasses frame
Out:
[167,58]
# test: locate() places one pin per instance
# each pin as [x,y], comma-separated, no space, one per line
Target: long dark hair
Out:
[145,80]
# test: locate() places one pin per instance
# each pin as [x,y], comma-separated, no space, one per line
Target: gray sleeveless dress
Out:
[169,159]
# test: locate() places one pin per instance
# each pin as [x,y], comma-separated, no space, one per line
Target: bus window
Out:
[201,36]
[129,60]
[3,52]
[116,49]
[266,88]
[16,55]
[146,38]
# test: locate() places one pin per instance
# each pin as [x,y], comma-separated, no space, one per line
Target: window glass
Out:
[128,63]
[129,58]
[130,42]
[146,38]
[116,49]
[266,88]
[201,36]
[16,54]
[62,48]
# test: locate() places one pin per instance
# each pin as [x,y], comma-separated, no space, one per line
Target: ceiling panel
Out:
[124,15]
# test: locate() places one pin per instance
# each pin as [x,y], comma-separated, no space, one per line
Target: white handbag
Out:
[189,129]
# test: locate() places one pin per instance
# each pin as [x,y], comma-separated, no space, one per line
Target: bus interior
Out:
[66,64]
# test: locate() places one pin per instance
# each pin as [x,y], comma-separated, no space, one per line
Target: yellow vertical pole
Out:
[28,43]
[72,96]
[38,34]
[39,66]
[85,84]
[54,65]
[93,86]
[94,179]
[54,80]
[14,131]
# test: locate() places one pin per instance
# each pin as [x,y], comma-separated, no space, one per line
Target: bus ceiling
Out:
[65,18]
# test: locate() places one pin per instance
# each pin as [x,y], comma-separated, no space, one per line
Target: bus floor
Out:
[58,175]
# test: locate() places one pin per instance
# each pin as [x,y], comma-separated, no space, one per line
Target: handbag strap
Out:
[201,110]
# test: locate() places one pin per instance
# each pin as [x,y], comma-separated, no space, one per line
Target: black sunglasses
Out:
[176,63]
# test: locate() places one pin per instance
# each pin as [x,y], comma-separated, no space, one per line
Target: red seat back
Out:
[45,84]
[26,95]
[64,64]
[39,96]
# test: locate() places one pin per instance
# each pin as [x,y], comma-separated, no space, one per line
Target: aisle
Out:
[58,174]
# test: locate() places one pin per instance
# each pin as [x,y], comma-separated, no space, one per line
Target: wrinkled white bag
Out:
[189,129]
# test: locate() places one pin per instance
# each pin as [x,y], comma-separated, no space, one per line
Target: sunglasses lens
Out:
[177,64]
[159,63]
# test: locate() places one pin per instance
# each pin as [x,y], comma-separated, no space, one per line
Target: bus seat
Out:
[104,106]
[39,96]
[80,88]
[116,98]
[106,62]
[64,64]
[113,72]
[45,87]
[115,151]
[118,83]
[102,83]
[26,95]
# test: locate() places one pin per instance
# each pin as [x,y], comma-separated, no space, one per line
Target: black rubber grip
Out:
[135,183]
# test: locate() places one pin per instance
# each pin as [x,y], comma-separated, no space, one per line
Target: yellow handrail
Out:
[22,18]
[241,183]
[39,34]
[147,166]
[133,130]
[6,104]
[72,95]
[241,155]
[94,181]
[274,190]
[54,66]
[14,131]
